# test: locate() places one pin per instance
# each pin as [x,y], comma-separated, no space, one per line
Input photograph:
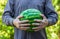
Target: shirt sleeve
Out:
[50,13]
[8,13]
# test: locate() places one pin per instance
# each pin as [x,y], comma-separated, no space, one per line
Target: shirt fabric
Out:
[15,7]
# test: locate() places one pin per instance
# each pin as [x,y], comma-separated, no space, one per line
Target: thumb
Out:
[19,17]
[43,16]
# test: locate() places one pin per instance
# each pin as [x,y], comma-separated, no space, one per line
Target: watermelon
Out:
[31,14]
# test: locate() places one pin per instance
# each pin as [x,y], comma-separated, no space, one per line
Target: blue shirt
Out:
[15,7]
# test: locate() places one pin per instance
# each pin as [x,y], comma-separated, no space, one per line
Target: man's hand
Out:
[40,23]
[22,25]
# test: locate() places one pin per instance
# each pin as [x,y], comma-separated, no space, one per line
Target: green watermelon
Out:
[31,14]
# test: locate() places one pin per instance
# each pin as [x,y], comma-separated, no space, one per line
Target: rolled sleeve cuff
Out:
[11,21]
[50,22]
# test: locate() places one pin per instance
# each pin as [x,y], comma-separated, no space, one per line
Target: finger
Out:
[19,17]
[36,24]
[43,16]
[24,21]
[24,28]
[24,25]
[37,20]
[35,28]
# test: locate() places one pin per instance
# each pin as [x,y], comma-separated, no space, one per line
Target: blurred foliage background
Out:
[53,32]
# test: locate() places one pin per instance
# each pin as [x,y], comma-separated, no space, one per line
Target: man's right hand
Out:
[22,25]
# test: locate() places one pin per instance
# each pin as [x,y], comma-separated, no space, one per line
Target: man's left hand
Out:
[40,23]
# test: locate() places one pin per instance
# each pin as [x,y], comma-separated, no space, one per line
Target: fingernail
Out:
[27,20]
[33,28]
[35,19]
[40,14]
[29,24]
[32,23]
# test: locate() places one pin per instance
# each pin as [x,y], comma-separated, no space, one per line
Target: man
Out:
[15,7]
